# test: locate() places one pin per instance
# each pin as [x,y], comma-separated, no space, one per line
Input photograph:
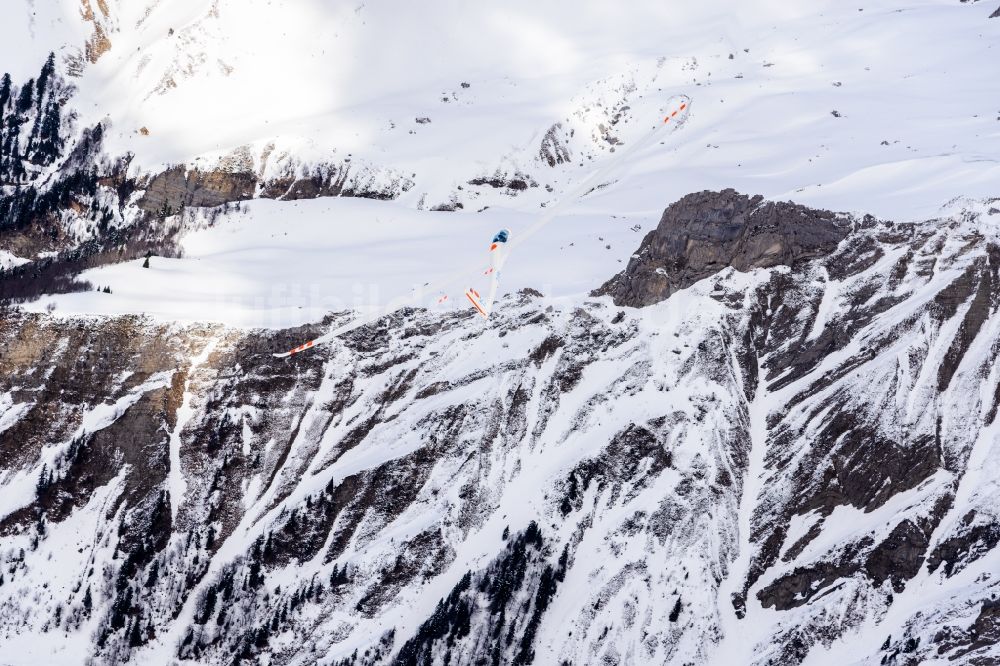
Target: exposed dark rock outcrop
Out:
[984,632]
[703,233]
[256,510]
[343,179]
[554,149]
[179,187]
[803,584]
[898,558]
[515,182]
[974,539]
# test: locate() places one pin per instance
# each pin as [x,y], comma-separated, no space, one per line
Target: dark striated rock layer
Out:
[704,232]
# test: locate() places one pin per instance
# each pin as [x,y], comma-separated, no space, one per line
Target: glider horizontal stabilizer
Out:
[476,301]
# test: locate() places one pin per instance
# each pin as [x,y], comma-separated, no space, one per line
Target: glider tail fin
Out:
[477,302]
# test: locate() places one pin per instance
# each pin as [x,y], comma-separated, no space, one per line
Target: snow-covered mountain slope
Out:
[837,106]
[804,95]
[769,440]
[787,464]
[885,109]
[274,264]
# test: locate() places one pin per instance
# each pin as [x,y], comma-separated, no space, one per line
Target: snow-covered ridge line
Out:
[806,116]
[806,120]
[766,122]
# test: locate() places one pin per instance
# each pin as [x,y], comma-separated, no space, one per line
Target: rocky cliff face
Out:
[792,461]
[178,188]
[98,14]
[66,205]
[703,233]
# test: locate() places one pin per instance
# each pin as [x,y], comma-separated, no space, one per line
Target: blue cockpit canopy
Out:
[501,236]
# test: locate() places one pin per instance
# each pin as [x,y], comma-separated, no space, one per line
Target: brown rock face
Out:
[703,233]
[98,43]
[179,187]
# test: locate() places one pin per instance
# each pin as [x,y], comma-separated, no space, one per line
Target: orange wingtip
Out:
[674,113]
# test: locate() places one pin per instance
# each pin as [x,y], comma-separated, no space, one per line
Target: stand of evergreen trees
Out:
[43,176]
[494,598]
[30,125]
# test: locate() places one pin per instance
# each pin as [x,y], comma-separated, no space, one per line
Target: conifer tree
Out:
[676,611]
[4,92]
[135,637]
[44,479]
[26,98]
[43,78]
[49,142]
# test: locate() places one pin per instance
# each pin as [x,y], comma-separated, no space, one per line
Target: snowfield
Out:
[830,105]
[281,264]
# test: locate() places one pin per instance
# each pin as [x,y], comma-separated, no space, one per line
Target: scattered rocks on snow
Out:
[499,180]
[554,149]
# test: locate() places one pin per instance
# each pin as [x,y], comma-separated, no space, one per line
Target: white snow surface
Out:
[886,109]
[207,77]
[322,82]
[10,260]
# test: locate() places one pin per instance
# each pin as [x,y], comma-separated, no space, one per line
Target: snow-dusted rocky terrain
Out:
[702,426]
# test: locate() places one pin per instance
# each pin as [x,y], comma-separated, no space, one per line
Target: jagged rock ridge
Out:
[703,233]
[767,465]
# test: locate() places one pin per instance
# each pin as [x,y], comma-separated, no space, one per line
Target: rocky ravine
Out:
[795,462]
